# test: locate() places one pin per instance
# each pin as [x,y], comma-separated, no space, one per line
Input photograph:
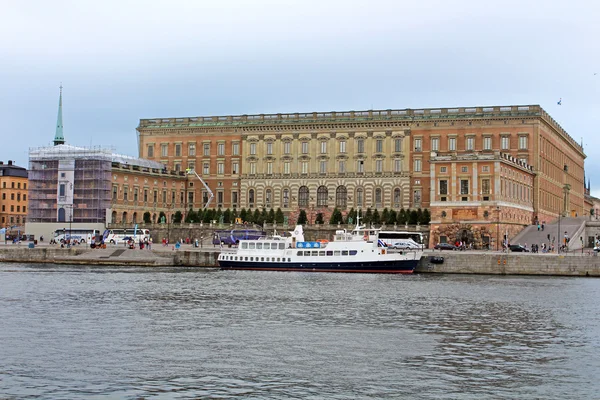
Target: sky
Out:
[121,61]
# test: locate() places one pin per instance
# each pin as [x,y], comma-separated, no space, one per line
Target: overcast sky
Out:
[120,61]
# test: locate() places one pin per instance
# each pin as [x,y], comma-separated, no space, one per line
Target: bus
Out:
[233,236]
[114,236]
[400,239]
[74,235]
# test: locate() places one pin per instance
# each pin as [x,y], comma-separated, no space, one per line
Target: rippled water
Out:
[77,332]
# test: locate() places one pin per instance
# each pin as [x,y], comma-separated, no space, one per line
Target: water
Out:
[174,333]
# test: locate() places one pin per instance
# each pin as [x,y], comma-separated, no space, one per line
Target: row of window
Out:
[323,146]
[323,198]
[470,143]
[191,147]
[164,196]
[12,196]
[12,185]
[323,165]
[508,189]
[14,220]
[261,259]
[12,208]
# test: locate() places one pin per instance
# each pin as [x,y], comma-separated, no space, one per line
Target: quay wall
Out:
[452,263]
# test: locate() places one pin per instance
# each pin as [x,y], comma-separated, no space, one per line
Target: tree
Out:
[319,219]
[419,215]
[177,217]
[376,219]
[413,217]
[392,217]
[425,218]
[227,216]
[249,216]
[243,214]
[385,215]
[368,216]
[191,216]
[402,218]
[302,217]
[256,217]
[351,214]
[147,217]
[208,215]
[279,217]
[336,217]
[271,217]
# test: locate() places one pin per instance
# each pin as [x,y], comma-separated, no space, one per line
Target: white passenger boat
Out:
[357,251]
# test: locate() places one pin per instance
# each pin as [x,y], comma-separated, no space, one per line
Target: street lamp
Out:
[563,206]
[498,228]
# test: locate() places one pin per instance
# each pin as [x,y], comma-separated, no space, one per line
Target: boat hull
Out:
[374,267]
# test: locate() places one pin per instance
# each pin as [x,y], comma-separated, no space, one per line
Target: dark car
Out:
[518,248]
[445,246]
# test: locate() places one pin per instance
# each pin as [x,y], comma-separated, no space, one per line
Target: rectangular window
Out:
[286,167]
[418,145]
[323,167]
[206,149]
[342,146]
[397,165]
[417,165]
[435,144]
[145,195]
[464,169]
[234,198]
[205,168]
[155,196]
[485,168]
[135,194]
[451,144]
[443,170]
[192,165]
[252,168]
[379,146]
[397,145]
[177,150]
[191,149]
[360,145]
[270,148]
[417,197]
[304,147]
[360,166]
[164,196]
[505,143]
[221,149]
[270,168]
[253,148]
[378,165]
[235,168]
[443,187]
[164,150]
[305,167]
[177,167]
[125,193]
[522,142]
[61,190]
[219,197]
[235,149]
[464,186]
[323,147]
[470,143]
[487,143]
[342,166]
[287,147]
[485,186]
[221,168]
[150,151]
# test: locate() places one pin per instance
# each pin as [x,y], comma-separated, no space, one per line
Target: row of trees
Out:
[389,217]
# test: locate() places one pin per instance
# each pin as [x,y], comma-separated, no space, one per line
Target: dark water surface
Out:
[174,333]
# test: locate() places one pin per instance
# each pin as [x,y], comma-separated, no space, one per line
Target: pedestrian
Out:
[150,243]
[543,223]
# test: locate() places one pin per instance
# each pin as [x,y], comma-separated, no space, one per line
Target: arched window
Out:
[397,198]
[124,217]
[268,198]
[135,218]
[285,197]
[341,197]
[61,215]
[360,197]
[303,196]
[378,198]
[251,198]
[114,217]
[322,196]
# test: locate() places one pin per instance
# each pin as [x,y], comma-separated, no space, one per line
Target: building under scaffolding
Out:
[70,187]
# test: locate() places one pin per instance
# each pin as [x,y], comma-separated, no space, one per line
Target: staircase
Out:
[575,228]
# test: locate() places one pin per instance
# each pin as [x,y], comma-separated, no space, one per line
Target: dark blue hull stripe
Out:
[391,267]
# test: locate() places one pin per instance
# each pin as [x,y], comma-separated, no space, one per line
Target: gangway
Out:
[211,195]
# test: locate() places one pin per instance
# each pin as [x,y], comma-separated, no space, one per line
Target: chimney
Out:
[9,162]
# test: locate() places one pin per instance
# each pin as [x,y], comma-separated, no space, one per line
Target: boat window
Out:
[278,259]
[337,252]
[315,253]
[321,253]
[259,246]
[261,259]
[244,245]
[307,254]
[246,259]
[353,252]
[281,246]
[300,253]
[274,246]
[251,245]
[329,252]
[344,252]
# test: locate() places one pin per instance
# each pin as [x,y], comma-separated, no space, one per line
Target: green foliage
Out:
[392,217]
[302,217]
[368,218]
[191,216]
[336,217]
[243,214]
[425,218]
[177,217]
[413,217]
[591,211]
[376,218]
[385,215]
[271,216]
[160,217]
[208,215]
[351,214]
[249,216]
[319,219]
[227,216]
[402,217]
[419,215]
[279,217]
[256,217]
[147,217]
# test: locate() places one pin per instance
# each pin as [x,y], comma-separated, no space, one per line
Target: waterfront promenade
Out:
[585,263]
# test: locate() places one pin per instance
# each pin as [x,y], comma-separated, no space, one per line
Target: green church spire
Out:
[58,137]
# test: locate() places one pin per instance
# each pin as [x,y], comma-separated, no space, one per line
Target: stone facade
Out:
[13,195]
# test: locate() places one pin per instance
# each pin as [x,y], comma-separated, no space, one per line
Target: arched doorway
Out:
[61,215]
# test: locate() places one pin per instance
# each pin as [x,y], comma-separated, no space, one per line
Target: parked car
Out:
[445,246]
[518,248]
[405,246]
